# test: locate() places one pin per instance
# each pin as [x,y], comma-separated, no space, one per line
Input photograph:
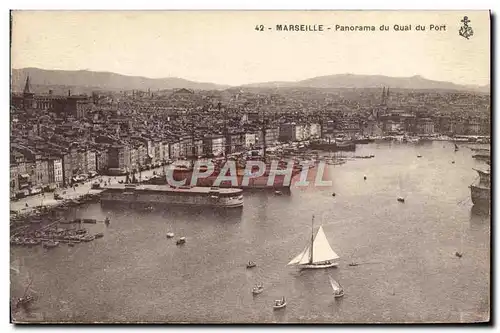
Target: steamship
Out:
[262,181]
[171,195]
[332,146]
[481,191]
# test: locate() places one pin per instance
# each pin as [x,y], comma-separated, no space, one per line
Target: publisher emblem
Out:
[465,30]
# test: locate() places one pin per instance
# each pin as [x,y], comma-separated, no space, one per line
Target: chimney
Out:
[50,92]
[69,92]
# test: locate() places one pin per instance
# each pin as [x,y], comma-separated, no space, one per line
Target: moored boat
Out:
[50,244]
[363,140]
[482,154]
[16,241]
[480,150]
[170,234]
[333,146]
[172,195]
[481,190]
[181,241]
[87,238]
[413,139]
[31,242]
[482,157]
[244,179]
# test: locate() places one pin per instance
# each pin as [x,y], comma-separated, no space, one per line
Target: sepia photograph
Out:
[250,167]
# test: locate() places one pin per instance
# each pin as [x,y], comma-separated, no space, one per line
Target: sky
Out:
[224,47]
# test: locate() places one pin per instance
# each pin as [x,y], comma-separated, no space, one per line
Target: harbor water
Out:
[407,272]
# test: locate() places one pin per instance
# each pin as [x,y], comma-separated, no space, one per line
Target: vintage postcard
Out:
[250,167]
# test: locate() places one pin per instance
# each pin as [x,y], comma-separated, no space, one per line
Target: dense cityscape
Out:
[58,140]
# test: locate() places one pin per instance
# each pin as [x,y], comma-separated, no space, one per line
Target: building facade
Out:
[287,132]
[425,126]
[77,105]
[174,150]
[249,140]
[214,145]
[271,136]
[119,158]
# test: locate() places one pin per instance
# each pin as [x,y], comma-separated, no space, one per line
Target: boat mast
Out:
[312,240]
[140,171]
[27,288]
[193,147]
[227,148]
[263,131]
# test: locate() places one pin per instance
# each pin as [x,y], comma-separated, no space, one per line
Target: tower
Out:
[27,86]
[264,131]
[28,95]
[383,97]
[227,136]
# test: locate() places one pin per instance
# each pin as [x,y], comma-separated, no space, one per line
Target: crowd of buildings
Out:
[57,140]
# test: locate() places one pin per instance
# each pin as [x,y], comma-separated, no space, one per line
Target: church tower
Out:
[28,95]
[383,97]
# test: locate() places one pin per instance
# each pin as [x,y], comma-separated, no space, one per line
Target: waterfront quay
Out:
[407,270]
[28,204]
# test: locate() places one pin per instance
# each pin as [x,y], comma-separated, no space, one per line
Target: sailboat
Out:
[317,254]
[338,291]
[456,147]
[26,299]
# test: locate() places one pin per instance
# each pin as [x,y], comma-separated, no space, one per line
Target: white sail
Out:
[306,258]
[322,250]
[302,258]
[335,285]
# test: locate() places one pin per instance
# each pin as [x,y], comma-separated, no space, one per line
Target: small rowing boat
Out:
[258,289]
[251,264]
[279,303]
